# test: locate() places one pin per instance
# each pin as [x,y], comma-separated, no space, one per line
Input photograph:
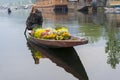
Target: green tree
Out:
[91,31]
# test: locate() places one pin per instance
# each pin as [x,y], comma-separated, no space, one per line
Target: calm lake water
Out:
[97,60]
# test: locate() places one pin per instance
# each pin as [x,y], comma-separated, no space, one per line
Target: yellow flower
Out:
[65,34]
[38,33]
[59,37]
[49,36]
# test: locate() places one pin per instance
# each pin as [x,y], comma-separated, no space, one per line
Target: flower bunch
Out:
[62,33]
[52,33]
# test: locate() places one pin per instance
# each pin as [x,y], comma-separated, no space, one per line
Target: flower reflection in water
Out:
[35,54]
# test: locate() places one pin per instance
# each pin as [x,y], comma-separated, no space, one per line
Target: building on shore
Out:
[113,6]
[52,5]
[67,4]
[71,4]
[113,3]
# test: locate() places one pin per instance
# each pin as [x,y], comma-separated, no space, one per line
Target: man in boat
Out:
[9,11]
[34,19]
[94,5]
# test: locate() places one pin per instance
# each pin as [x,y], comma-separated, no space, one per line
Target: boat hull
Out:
[74,41]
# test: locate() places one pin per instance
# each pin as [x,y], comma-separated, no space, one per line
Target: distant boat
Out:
[112,10]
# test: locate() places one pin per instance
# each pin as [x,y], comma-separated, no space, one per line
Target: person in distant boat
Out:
[9,11]
[34,19]
[94,5]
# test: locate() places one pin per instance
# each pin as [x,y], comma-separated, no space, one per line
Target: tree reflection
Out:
[113,46]
[92,31]
[91,26]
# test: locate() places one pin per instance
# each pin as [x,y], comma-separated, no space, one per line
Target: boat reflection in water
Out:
[63,57]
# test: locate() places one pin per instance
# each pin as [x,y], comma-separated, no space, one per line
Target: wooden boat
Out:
[73,41]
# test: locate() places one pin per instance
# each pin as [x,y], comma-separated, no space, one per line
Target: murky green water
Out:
[97,60]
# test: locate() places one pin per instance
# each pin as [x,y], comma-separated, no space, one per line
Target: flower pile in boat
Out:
[60,33]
